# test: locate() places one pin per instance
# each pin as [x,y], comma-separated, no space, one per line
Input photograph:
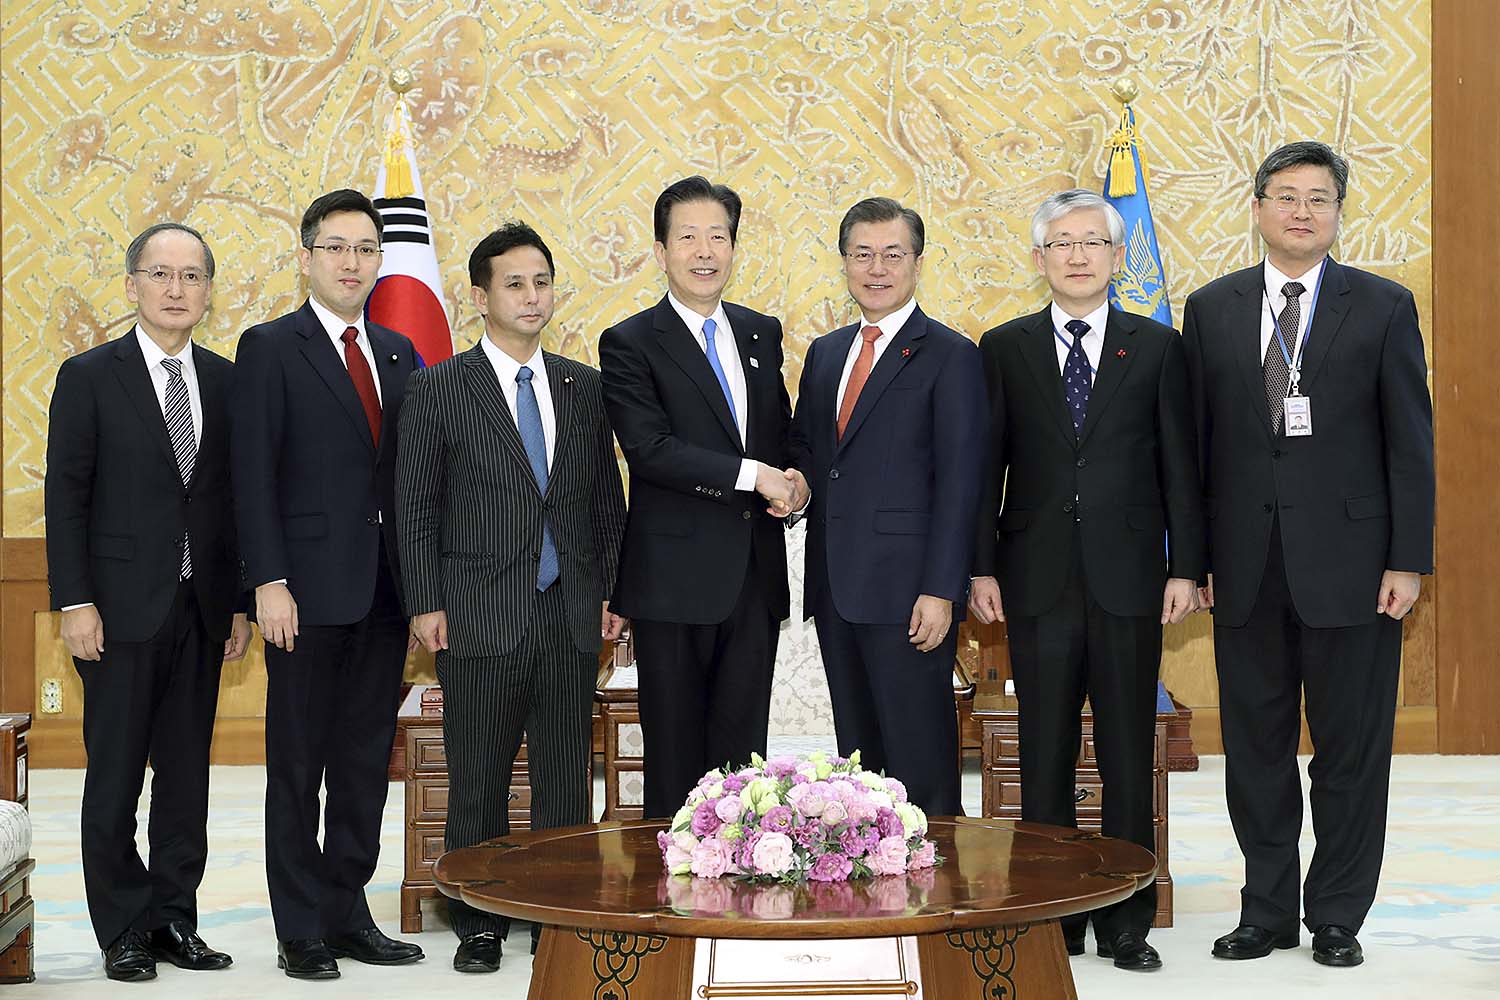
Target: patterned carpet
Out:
[1436,924]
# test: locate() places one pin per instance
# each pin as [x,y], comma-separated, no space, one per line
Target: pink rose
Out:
[728,808]
[861,810]
[809,799]
[889,857]
[711,858]
[773,854]
[896,788]
[834,813]
[923,857]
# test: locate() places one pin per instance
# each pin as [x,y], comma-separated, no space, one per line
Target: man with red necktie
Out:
[317,406]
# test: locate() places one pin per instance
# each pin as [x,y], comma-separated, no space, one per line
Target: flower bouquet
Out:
[790,819]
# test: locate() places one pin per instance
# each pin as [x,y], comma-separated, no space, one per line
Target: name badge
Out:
[1297,420]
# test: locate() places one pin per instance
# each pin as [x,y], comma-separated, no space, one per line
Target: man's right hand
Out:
[1206,595]
[83,632]
[984,599]
[773,484]
[431,630]
[276,614]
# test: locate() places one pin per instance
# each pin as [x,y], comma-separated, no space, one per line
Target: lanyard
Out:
[1294,362]
[1058,334]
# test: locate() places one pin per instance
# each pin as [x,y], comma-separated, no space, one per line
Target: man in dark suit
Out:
[142,563]
[889,413]
[510,514]
[694,392]
[318,400]
[1092,445]
[1315,424]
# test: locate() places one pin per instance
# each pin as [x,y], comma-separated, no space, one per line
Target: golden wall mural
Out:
[231,115]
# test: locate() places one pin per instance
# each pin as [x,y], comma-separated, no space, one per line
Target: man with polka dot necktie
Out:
[1097,541]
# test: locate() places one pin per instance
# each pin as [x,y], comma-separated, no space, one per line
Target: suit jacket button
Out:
[746,515]
[1068,508]
[833,473]
[1267,507]
[371,520]
[1276,453]
[187,498]
[1082,462]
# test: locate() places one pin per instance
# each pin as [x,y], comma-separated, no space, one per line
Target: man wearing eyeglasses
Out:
[1315,424]
[318,400]
[1091,465]
[141,561]
[889,411]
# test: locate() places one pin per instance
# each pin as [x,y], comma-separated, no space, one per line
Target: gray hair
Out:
[1299,154]
[138,245]
[1060,204]
[883,210]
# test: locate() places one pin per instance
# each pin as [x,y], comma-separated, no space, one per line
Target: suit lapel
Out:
[683,349]
[1243,321]
[212,393]
[1328,318]
[325,360]
[564,399]
[388,370]
[1114,361]
[130,368]
[833,358]
[746,339]
[903,347]
[479,374]
[1040,354]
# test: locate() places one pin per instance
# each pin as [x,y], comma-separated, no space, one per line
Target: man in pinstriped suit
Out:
[509,518]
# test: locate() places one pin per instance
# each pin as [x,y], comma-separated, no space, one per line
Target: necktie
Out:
[709,329]
[179,417]
[1277,373]
[529,421]
[1076,379]
[364,382]
[858,376]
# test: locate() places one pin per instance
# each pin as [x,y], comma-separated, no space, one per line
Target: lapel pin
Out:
[755,336]
[394,359]
[1120,353]
[906,352]
[567,380]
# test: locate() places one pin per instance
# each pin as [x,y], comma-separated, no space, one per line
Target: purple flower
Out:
[810,833]
[889,823]
[896,788]
[778,819]
[831,867]
[705,822]
[735,783]
[744,855]
[856,842]
[780,767]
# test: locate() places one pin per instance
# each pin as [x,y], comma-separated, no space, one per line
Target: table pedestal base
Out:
[1019,962]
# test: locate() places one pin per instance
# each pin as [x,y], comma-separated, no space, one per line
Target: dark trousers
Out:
[1077,648]
[544,688]
[1348,677]
[330,719]
[148,700]
[705,695]
[894,704]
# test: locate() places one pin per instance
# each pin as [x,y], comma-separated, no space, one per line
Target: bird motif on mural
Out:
[920,129]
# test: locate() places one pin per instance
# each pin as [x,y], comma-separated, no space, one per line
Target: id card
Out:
[1298,416]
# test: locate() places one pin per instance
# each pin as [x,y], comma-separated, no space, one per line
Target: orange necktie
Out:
[858,376]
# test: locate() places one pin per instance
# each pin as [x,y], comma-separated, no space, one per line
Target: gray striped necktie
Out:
[179,415]
[1278,373]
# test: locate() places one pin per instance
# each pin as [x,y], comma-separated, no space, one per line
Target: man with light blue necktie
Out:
[694,391]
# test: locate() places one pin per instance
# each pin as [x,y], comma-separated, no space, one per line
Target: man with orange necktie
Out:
[889,414]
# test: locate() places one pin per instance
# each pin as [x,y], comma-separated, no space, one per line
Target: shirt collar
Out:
[154,354]
[1275,279]
[694,320]
[333,325]
[1096,319]
[506,366]
[892,324]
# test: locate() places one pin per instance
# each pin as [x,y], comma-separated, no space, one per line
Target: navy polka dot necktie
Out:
[1076,379]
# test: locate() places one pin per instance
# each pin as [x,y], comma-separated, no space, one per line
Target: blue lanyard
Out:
[1312,306]
[1058,334]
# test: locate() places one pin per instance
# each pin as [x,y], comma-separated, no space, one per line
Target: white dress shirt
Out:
[506,368]
[1274,282]
[1093,341]
[729,358]
[335,327]
[889,327]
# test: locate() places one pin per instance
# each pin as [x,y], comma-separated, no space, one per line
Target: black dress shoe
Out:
[180,944]
[1074,942]
[1130,951]
[478,953]
[1250,941]
[128,960]
[373,948]
[306,958]
[1336,946]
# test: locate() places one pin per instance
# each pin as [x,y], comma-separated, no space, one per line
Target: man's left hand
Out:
[239,638]
[611,625]
[1178,600]
[931,617]
[1398,592]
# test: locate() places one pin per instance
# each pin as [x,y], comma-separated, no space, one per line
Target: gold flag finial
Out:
[1124,90]
[398,181]
[401,80]
[1122,142]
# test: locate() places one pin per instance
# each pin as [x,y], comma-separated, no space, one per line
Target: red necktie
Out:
[857,377]
[364,382]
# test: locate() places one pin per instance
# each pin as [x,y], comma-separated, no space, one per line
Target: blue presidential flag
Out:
[1140,286]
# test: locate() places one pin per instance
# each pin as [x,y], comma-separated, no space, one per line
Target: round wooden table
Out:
[984,922]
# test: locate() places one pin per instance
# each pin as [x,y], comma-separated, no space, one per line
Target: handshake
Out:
[786,491]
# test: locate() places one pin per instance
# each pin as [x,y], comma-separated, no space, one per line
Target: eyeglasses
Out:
[1317,204]
[189,276]
[362,251]
[1064,247]
[892,258]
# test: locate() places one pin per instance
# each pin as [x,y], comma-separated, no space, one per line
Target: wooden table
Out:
[983,924]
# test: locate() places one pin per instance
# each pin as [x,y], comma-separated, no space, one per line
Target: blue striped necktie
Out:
[179,415]
[529,422]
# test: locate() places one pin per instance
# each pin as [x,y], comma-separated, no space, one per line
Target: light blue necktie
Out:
[709,328]
[529,419]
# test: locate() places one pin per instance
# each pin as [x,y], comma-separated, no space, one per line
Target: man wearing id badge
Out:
[1309,387]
